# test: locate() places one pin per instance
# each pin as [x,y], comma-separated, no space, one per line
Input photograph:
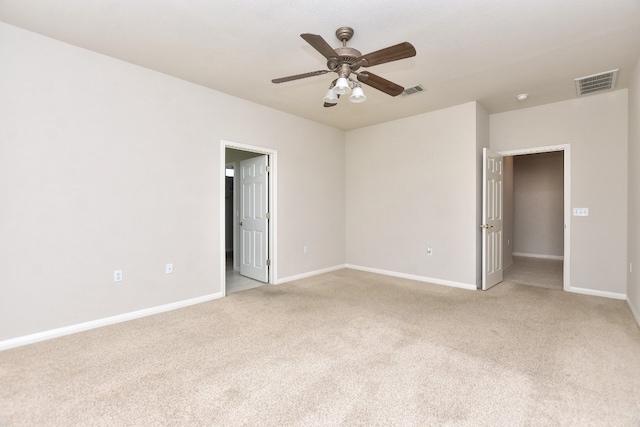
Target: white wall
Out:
[105,165]
[412,183]
[633,278]
[538,188]
[596,128]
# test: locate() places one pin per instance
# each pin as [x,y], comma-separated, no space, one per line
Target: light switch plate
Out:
[580,211]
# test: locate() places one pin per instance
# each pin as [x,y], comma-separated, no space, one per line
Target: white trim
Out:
[634,311]
[558,257]
[106,321]
[311,274]
[535,150]
[461,285]
[566,268]
[605,294]
[273,205]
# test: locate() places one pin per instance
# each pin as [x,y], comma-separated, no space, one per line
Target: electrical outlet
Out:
[305,249]
[117,275]
[429,250]
[168,269]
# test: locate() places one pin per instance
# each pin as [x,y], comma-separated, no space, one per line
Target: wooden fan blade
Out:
[392,53]
[299,76]
[379,83]
[319,44]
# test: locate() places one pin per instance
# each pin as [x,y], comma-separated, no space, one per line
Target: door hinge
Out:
[268,216]
[268,169]
[268,263]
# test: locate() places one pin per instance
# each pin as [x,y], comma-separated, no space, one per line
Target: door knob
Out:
[241,223]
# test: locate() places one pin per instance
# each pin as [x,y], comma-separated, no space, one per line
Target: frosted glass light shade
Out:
[357,95]
[330,97]
[342,86]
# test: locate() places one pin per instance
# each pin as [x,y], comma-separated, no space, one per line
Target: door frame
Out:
[566,148]
[273,221]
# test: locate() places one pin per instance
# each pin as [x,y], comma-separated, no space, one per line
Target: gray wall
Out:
[538,188]
[507,211]
[596,128]
[413,183]
[105,165]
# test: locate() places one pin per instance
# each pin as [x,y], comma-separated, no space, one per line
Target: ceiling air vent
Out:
[596,82]
[413,89]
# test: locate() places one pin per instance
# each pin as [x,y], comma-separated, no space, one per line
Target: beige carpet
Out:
[344,348]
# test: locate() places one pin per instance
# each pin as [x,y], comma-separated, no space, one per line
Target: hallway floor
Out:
[544,273]
[236,282]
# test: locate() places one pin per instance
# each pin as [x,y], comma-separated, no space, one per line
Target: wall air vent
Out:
[596,82]
[412,90]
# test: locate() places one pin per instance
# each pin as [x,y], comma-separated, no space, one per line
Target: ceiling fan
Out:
[346,61]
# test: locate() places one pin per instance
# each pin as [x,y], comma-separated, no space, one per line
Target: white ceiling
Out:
[484,50]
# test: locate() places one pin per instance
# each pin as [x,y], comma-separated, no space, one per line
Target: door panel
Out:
[492,219]
[254,224]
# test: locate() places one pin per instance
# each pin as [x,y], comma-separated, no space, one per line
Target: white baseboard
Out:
[558,257]
[467,286]
[634,311]
[309,274]
[595,293]
[80,327]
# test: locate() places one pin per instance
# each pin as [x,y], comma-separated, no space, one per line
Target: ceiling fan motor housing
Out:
[346,55]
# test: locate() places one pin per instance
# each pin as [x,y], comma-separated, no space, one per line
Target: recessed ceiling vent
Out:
[596,82]
[413,90]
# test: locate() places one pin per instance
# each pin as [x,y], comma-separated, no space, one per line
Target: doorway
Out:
[234,277]
[537,217]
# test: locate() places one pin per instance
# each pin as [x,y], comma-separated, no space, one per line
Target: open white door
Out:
[254,218]
[491,219]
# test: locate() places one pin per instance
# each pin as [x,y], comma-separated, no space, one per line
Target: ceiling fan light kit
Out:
[331,96]
[346,61]
[357,94]
[342,86]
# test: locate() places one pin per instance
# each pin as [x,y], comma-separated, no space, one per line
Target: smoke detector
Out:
[596,82]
